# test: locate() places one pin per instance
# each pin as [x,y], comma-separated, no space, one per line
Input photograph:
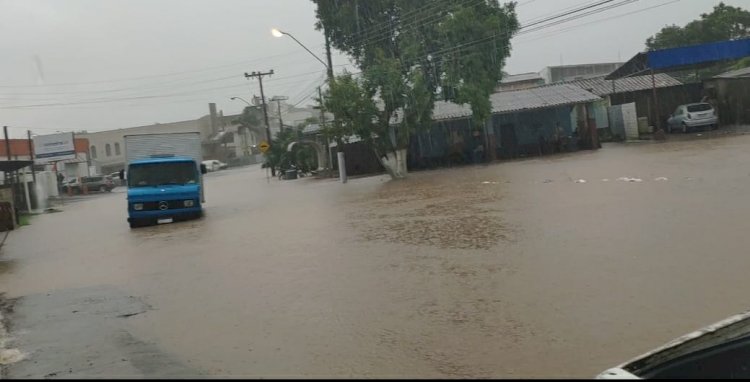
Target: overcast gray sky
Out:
[106,64]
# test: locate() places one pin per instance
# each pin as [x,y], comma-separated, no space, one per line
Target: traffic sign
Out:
[264,146]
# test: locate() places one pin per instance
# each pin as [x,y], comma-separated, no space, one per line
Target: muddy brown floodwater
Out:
[516,269]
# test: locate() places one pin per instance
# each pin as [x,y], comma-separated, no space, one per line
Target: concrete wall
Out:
[731,96]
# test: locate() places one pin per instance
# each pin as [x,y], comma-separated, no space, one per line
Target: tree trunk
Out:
[394,163]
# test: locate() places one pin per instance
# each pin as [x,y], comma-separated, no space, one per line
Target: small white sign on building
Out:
[54,147]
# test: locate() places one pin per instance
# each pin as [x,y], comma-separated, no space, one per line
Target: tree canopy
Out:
[410,54]
[725,22]
[250,117]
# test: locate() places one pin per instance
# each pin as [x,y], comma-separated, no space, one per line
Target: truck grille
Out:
[169,204]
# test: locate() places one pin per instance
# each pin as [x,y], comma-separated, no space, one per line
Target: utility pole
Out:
[657,121]
[339,146]
[7,142]
[278,100]
[260,75]
[31,155]
[322,125]
[5,175]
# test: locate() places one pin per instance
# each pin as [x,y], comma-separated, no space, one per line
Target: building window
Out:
[108,149]
[93,151]
[117,148]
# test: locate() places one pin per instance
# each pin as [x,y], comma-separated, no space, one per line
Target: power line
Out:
[428,20]
[278,80]
[171,84]
[384,26]
[567,13]
[436,17]
[210,68]
[563,30]
[458,48]
[534,19]
[433,55]
[537,23]
[599,10]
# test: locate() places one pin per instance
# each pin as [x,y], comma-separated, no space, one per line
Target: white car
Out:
[691,116]
[214,165]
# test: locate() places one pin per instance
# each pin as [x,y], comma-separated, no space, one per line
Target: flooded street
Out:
[560,266]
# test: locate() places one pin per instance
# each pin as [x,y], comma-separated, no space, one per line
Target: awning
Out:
[14,165]
[693,56]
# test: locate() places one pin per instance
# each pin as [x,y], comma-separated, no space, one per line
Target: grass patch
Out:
[24,219]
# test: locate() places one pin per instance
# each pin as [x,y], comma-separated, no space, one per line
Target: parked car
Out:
[115,176]
[99,183]
[214,165]
[691,116]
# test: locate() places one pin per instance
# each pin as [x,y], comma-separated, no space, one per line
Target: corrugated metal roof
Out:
[539,98]
[735,73]
[521,77]
[693,56]
[602,87]
[698,54]
[519,100]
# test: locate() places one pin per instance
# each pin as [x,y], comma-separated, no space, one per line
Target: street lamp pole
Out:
[329,69]
[277,33]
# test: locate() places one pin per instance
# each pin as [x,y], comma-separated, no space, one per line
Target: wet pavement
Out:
[560,266]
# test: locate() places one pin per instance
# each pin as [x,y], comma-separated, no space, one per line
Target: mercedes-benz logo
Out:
[163,205]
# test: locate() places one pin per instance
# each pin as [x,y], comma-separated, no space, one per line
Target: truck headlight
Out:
[138,206]
[189,203]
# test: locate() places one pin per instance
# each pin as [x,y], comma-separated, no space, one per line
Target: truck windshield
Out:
[157,174]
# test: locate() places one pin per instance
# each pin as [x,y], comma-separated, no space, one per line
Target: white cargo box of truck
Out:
[148,146]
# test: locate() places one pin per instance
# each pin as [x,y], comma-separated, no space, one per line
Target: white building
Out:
[222,138]
[566,73]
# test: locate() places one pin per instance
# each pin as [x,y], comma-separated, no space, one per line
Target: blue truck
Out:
[164,178]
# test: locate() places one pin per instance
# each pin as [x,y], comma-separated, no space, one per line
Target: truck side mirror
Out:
[204,170]
[122,174]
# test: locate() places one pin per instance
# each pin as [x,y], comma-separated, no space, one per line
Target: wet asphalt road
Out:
[507,270]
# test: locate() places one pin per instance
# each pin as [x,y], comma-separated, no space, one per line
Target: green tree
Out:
[725,22]
[302,157]
[250,117]
[308,121]
[410,53]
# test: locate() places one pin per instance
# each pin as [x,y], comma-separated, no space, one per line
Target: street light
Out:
[340,155]
[278,33]
[243,100]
